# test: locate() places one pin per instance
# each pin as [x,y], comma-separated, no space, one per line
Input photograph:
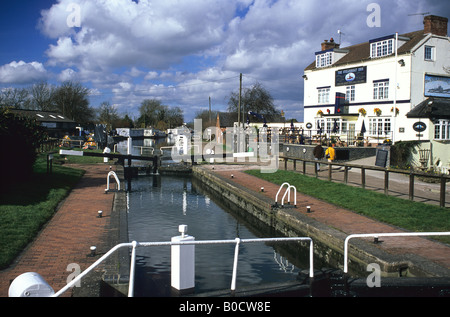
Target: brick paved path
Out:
[67,238]
[344,220]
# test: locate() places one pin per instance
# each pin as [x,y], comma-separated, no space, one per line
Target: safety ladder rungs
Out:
[288,193]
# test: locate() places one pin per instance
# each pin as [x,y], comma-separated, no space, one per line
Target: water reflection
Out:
[157,205]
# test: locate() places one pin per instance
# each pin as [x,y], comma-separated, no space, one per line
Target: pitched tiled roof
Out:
[361,52]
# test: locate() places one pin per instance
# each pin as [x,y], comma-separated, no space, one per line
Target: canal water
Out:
[159,204]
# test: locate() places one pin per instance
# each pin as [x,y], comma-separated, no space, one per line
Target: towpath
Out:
[68,236]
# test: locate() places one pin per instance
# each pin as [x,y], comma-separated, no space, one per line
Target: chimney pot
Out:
[326,45]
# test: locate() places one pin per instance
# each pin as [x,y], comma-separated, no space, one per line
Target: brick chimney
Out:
[435,25]
[327,45]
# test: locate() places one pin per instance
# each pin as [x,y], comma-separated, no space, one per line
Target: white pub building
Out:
[389,89]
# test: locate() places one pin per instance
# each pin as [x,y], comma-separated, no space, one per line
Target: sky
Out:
[184,52]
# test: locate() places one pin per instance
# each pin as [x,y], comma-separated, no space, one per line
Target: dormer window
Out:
[382,47]
[324,59]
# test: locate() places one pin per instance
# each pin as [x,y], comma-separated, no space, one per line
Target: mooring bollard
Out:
[183,263]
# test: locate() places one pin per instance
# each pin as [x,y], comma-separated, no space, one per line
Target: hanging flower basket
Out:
[397,111]
[320,113]
[362,111]
[377,111]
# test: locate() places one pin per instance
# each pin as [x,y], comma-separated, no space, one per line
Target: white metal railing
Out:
[135,245]
[375,235]
[142,148]
[287,192]
[189,149]
[236,241]
[163,148]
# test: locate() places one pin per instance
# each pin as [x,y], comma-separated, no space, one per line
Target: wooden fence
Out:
[443,179]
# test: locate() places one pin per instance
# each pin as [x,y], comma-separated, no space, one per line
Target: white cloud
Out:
[120,33]
[22,73]
[182,51]
[67,75]
[151,75]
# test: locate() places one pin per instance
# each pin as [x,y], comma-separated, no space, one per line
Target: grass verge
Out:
[79,159]
[409,215]
[26,207]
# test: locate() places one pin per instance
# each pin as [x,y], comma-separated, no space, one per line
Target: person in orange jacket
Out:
[330,153]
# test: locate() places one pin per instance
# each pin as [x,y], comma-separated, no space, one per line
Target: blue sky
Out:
[183,52]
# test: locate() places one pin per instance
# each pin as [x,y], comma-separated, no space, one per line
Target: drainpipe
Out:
[395,87]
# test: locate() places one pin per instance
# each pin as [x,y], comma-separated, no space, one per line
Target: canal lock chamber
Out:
[156,276]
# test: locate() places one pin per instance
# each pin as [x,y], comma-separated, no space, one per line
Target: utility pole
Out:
[240,96]
[239,114]
[210,109]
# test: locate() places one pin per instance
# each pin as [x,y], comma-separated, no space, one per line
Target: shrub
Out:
[401,153]
[20,137]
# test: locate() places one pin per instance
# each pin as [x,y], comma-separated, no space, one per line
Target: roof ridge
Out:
[361,51]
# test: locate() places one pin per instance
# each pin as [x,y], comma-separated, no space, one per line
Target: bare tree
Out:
[256,99]
[71,100]
[41,97]
[15,98]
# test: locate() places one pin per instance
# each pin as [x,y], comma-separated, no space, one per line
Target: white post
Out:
[183,263]
[129,145]
[235,263]
[107,150]
[132,270]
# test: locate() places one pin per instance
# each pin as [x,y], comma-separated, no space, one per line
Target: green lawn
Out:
[413,216]
[26,207]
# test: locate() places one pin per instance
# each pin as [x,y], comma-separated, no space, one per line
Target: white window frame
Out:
[321,125]
[324,59]
[327,125]
[381,90]
[428,56]
[380,127]
[350,93]
[323,95]
[382,48]
[343,126]
[442,130]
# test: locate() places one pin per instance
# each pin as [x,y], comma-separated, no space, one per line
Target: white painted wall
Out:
[410,79]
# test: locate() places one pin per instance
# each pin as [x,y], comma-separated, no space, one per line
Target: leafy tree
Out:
[175,117]
[124,122]
[149,111]
[154,113]
[108,115]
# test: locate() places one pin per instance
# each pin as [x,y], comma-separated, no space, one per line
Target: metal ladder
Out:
[116,178]
[288,193]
